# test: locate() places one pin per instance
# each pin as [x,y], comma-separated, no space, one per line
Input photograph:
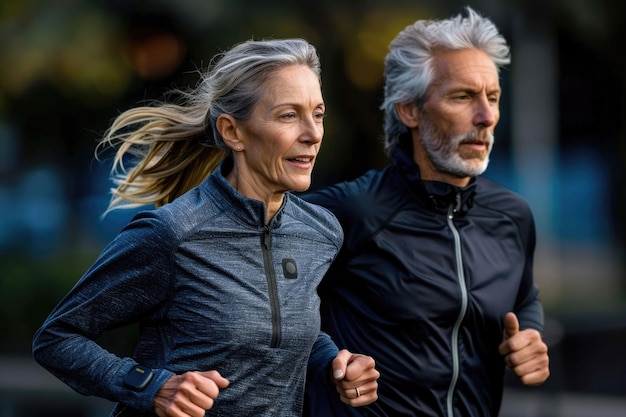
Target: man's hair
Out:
[409,63]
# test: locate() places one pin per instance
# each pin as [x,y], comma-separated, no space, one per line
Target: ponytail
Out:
[170,150]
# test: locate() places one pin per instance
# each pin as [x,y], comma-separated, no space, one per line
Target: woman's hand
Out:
[189,394]
[356,378]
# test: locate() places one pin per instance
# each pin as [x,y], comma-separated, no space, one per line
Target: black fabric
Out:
[394,290]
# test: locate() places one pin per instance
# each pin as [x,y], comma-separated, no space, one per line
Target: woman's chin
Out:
[300,187]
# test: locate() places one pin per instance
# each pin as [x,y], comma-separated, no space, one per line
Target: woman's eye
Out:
[320,115]
[288,116]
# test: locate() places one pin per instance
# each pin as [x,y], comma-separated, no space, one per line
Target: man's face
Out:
[459,116]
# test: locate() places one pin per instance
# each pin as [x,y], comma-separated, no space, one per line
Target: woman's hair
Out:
[165,149]
[409,64]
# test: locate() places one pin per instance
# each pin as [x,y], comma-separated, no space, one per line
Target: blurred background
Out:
[68,67]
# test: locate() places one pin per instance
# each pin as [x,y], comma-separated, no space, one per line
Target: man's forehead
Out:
[465,66]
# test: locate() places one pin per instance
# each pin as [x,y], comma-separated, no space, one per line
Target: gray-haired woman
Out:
[222,275]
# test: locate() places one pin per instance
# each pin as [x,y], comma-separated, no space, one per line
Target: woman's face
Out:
[281,140]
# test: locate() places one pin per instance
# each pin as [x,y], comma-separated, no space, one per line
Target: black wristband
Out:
[138,378]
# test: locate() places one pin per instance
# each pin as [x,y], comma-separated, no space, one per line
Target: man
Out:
[435,276]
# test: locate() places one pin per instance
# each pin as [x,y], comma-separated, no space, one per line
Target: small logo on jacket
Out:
[290,269]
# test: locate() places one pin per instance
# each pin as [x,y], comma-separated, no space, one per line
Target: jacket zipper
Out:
[270,274]
[454,340]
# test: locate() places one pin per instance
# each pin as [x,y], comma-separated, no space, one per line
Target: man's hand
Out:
[356,378]
[189,394]
[524,352]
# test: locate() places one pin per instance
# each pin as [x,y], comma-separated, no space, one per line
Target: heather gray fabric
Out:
[212,288]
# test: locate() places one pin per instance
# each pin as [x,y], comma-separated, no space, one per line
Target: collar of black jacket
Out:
[438,195]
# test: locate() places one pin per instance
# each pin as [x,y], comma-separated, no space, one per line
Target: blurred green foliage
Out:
[29,289]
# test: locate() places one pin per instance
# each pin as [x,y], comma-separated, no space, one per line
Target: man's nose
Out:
[486,112]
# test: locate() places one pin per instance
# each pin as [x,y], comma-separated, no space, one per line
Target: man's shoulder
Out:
[359,197]
[364,191]
[493,196]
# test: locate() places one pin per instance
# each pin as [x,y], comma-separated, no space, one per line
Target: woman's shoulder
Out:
[183,214]
[315,216]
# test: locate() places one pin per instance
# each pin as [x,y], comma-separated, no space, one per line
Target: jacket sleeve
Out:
[528,307]
[321,398]
[321,358]
[128,282]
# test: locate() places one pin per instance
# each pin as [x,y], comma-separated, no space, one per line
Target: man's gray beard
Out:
[442,150]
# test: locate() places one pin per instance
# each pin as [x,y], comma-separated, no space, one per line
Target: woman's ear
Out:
[227,126]
[409,114]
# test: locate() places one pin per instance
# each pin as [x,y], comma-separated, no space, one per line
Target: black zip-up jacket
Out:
[423,281]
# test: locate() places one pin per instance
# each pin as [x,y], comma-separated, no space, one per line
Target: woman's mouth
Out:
[302,161]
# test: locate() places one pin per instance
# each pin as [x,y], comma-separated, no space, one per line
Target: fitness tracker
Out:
[139,377]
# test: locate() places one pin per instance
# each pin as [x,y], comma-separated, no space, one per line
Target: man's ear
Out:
[227,126]
[409,114]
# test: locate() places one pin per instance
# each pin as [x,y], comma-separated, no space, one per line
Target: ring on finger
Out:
[358,393]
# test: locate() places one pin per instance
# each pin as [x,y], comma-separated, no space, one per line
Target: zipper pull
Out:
[266,238]
[455,207]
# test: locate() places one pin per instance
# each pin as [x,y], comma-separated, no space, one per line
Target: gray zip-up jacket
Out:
[212,288]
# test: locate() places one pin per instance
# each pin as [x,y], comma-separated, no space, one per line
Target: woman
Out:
[222,275]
